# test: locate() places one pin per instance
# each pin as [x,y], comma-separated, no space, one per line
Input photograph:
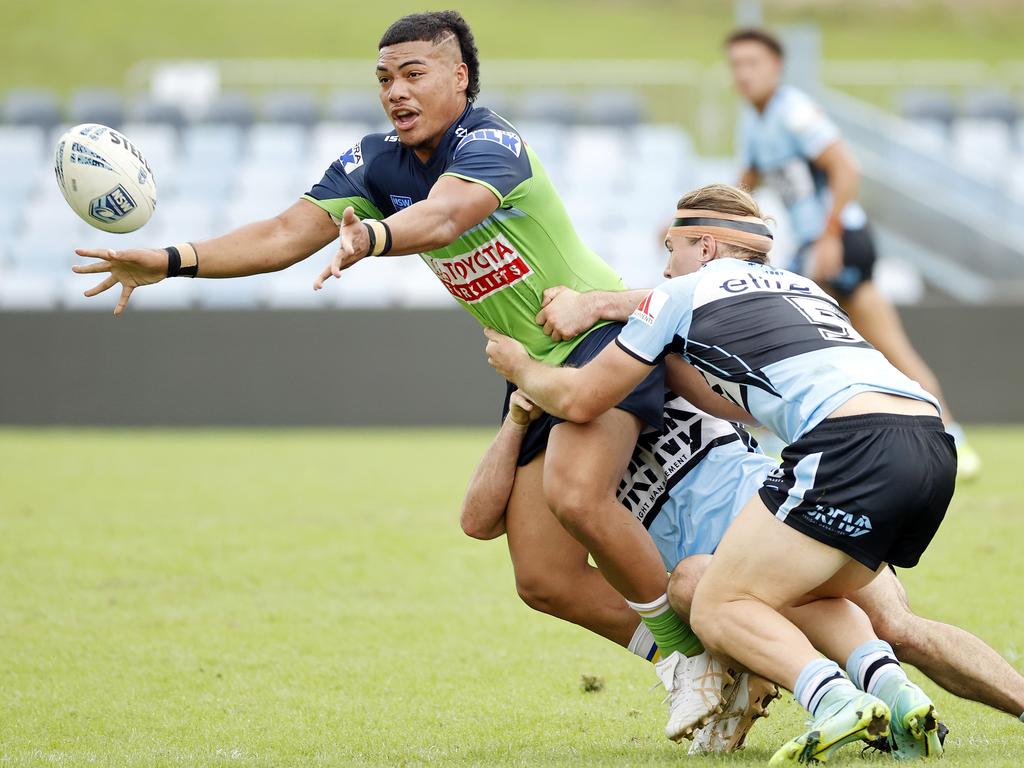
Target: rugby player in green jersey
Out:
[458,185]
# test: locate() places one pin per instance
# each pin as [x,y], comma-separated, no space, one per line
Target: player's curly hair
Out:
[725,198]
[435,26]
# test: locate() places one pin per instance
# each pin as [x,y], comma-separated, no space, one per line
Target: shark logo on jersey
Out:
[400,201]
[648,309]
[352,159]
[839,522]
[507,139]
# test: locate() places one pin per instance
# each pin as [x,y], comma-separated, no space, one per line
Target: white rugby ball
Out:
[105,178]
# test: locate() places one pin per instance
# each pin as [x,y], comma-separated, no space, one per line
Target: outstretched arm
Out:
[573,394]
[452,207]
[483,508]
[263,246]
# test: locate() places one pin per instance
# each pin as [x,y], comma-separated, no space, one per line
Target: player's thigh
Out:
[884,600]
[876,319]
[588,460]
[763,558]
[542,551]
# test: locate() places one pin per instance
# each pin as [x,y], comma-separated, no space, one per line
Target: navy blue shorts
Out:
[874,486]
[646,402]
[859,258]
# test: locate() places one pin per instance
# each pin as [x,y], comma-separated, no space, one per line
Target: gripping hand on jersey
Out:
[505,355]
[566,313]
[353,245]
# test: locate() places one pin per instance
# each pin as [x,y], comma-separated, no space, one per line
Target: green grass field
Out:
[306,598]
[63,44]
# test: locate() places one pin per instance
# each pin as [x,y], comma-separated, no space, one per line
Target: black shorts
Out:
[859,258]
[646,402]
[875,486]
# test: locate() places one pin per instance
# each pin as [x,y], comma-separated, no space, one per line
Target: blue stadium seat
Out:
[150,110]
[230,108]
[295,107]
[348,106]
[928,107]
[550,105]
[284,144]
[615,107]
[31,106]
[96,105]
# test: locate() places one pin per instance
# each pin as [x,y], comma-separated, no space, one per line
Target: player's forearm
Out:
[483,508]
[562,392]
[263,246]
[423,226]
[843,180]
[749,180]
[615,305]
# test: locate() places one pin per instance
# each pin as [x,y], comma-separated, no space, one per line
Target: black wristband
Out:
[173,261]
[373,239]
[174,268]
[387,241]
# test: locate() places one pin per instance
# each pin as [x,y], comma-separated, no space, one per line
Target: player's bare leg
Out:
[581,474]
[737,612]
[954,658]
[551,568]
[582,470]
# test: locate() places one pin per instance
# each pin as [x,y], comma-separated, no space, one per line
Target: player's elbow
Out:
[578,410]
[478,526]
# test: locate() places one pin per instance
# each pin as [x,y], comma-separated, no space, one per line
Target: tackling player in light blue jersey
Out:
[789,144]
[866,480]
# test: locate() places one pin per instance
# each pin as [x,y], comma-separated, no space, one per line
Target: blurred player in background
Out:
[457,184]
[790,145]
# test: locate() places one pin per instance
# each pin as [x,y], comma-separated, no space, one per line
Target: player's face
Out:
[684,256]
[422,90]
[756,70]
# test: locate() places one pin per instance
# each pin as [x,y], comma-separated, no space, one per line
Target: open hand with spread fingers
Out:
[130,268]
[353,245]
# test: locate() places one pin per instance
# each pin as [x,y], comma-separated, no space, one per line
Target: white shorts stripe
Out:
[803,480]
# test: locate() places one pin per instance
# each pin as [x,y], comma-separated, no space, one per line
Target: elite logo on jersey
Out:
[400,201]
[648,309]
[474,276]
[507,139]
[352,158]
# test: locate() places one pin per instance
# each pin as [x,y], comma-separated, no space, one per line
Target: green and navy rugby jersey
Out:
[499,269]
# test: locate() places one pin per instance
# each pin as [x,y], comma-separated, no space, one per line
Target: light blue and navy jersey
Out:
[781,144]
[770,340]
[687,482]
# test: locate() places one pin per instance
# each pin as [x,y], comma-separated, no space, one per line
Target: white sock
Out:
[872,665]
[817,679]
[643,644]
[652,609]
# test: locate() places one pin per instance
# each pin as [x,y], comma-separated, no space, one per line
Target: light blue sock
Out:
[957,432]
[873,665]
[816,680]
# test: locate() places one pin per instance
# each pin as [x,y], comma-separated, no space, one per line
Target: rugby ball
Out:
[105,178]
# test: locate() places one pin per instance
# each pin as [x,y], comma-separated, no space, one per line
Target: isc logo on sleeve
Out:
[647,310]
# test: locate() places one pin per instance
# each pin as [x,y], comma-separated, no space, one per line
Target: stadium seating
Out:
[243,158]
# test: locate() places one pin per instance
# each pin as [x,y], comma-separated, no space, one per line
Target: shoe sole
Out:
[922,723]
[756,709]
[872,723]
[688,732]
